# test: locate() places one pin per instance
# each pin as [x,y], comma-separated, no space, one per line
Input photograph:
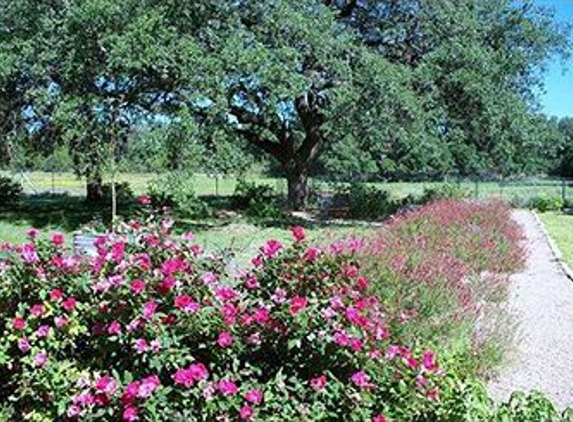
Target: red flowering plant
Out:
[155,328]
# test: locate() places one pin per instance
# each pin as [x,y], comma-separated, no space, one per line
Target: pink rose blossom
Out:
[225,294]
[147,386]
[298,304]
[279,296]
[57,239]
[69,304]
[318,383]
[311,254]
[137,286]
[141,345]
[225,339]
[33,233]
[106,385]
[56,295]
[186,304]
[130,414]
[144,200]
[209,278]
[43,331]
[19,323]
[246,412]
[114,328]
[271,248]
[24,345]
[227,387]
[37,310]
[61,321]
[360,379]
[379,418]
[254,396]
[40,359]
[149,309]
[298,233]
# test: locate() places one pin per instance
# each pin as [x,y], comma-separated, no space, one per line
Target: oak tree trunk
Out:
[297,182]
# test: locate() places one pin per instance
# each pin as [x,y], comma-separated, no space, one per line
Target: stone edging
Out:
[556,252]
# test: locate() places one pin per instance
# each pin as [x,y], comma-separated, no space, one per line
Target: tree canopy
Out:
[358,88]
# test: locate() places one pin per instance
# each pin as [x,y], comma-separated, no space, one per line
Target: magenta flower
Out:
[24,345]
[147,386]
[227,387]
[254,396]
[311,254]
[246,412]
[279,296]
[225,294]
[141,345]
[40,359]
[106,385]
[130,414]
[186,304]
[43,331]
[297,304]
[29,254]
[144,200]
[37,310]
[117,251]
[57,239]
[318,383]
[429,361]
[298,233]
[114,328]
[137,286]
[19,323]
[271,248]
[225,339]
[251,282]
[149,309]
[188,376]
[380,418]
[56,295]
[61,321]
[361,379]
[69,304]
[33,233]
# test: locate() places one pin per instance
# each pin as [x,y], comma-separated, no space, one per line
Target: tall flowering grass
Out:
[442,267]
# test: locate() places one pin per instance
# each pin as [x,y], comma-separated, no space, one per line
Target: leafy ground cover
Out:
[560,228]
[155,328]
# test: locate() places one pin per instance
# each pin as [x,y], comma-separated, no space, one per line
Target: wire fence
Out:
[224,185]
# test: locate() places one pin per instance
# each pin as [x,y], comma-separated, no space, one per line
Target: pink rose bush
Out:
[152,328]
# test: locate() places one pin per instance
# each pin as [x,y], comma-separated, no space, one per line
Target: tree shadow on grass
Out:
[66,212]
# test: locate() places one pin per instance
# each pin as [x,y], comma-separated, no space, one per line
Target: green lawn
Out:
[560,228]
[68,214]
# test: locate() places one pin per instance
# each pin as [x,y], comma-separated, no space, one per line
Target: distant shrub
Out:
[259,201]
[176,191]
[445,191]
[544,204]
[539,203]
[365,201]
[10,191]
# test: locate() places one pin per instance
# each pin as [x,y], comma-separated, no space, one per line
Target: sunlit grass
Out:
[560,228]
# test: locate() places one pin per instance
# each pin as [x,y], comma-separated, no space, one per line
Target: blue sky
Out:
[558,98]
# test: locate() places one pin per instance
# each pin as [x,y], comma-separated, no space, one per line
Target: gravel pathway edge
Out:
[541,297]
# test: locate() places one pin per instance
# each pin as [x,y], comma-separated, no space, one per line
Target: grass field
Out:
[560,228]
[41,182]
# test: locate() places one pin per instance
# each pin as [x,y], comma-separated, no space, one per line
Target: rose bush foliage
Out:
[154,328]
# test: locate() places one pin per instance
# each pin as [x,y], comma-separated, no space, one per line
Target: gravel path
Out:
[542,299]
